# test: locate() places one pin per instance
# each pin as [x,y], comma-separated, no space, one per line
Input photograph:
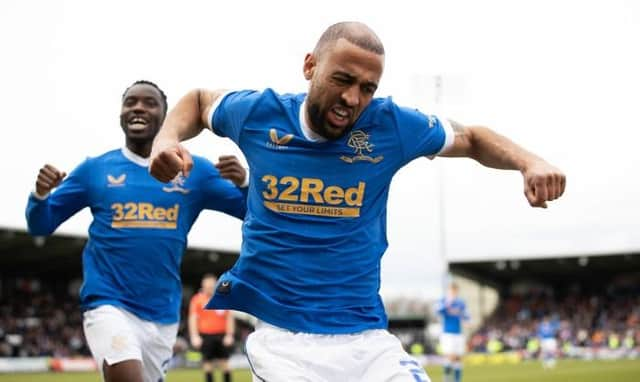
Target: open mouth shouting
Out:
[137,123]
[339,116]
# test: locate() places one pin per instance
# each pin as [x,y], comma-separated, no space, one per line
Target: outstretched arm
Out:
[184,121]
[542,181]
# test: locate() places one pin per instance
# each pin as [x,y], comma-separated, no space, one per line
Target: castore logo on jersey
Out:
[116,181]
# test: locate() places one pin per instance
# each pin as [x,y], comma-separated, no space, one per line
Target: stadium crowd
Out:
[38,318]
[595,320]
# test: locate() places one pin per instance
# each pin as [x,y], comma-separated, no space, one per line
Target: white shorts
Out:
[115,335]
[277,354]
[549,345]
[452,344]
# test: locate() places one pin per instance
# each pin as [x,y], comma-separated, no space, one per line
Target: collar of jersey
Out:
[135,158]
[309,134]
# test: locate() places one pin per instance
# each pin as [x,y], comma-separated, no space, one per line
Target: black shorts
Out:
[213,348]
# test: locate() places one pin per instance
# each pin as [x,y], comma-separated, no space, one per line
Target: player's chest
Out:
[282,150]
[130,186]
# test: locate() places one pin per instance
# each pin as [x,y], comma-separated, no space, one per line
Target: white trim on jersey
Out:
[449,134]
[306,130]
[214,106]
[135,158]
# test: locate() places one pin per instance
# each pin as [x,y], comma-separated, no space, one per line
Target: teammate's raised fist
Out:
[230,168]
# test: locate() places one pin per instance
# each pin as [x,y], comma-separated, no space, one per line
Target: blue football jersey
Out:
[453,312]
[139,230]
[315,229]
[548,329]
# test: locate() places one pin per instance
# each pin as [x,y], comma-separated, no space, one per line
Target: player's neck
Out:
[141,149]
[306,126]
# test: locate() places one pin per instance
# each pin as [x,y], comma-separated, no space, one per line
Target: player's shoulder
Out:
[270,99]
[379,109]
[105,157]
[263,97]
[270,94]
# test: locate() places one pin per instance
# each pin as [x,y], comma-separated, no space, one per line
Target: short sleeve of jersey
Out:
[231,110]
[421,134]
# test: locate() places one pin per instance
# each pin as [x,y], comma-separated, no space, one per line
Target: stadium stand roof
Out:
[22,255]
[595,270]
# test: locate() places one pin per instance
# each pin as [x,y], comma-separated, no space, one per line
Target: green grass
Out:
[566,371]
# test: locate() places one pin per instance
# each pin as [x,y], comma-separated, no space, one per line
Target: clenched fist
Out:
[168,159]
[230,168]
[542,183]
[49,178]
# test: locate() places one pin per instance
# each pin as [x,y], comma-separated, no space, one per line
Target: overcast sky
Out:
[559,77]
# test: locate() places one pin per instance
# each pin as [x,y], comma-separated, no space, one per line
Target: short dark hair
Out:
[145,82]
[355,32]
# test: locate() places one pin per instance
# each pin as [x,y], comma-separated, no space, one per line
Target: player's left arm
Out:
[543,182]
[221,195]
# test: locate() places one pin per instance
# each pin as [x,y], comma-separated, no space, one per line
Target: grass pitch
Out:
[565,371]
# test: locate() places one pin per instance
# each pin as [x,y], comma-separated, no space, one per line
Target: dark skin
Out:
[125,371]
[343,80]
[141,116]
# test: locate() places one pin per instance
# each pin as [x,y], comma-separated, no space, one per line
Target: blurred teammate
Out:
[547,332]
[131,263]
[453,311]
[211,331]
[321,166]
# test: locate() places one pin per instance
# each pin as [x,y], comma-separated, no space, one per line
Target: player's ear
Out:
[309,66]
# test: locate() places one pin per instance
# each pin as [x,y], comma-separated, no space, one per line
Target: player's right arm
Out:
[186,120]
[542,181]
[48,178]
[46,210]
